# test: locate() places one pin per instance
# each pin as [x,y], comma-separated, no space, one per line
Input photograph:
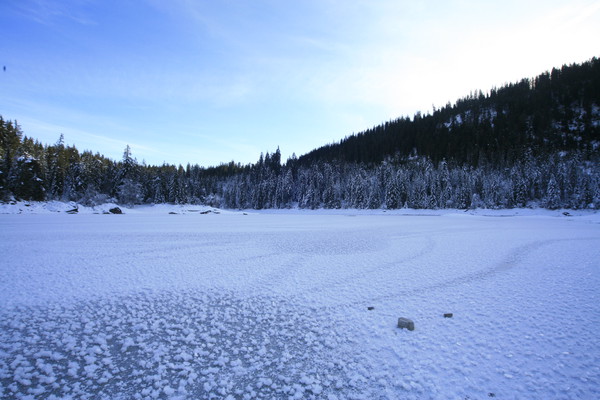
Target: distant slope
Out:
[558,110]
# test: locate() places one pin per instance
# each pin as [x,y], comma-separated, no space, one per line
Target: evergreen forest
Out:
[533,143]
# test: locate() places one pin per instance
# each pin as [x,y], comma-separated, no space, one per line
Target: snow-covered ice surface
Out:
[232,305]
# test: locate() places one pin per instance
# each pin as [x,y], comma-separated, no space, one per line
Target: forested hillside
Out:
[531,143]
[558,110]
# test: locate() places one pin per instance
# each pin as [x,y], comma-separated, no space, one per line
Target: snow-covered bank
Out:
[48,207]
[275,304]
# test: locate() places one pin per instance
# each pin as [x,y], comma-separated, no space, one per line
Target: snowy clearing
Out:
[298,304]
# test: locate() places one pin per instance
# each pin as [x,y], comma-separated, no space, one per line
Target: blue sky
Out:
[212,81]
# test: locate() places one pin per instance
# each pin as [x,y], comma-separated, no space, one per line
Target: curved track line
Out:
[511,261]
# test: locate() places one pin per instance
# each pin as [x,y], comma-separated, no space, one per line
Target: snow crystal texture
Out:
[299,305]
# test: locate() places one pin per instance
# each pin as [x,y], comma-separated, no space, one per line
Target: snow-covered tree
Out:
[26,180]
[552,194]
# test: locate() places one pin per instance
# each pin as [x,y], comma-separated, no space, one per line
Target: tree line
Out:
[531,143]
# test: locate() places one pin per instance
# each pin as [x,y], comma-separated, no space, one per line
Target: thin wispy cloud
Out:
[54,12]
[114,146]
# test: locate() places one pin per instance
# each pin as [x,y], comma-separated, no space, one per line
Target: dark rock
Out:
[73,211]
[173,213]
[448,315]
[406,323]
[115,210]
[370,308]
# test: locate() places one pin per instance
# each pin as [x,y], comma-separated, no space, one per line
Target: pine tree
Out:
[128,189]
[26,180]
[552,194]
[129,192]
[10,140]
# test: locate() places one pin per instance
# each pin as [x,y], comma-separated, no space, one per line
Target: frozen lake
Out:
[276,305]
